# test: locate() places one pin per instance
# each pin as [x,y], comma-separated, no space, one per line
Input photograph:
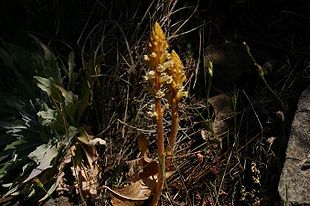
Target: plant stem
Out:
[160,145]
[174,129]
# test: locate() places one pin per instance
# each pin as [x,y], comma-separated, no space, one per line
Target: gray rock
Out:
[294,185]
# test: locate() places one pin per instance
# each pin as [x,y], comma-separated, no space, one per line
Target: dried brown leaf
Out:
[61,182]
[143,177]
[149,169]
[141,168]
[143,174]
[84,170]
[223,111]
[133,194]
[142,142]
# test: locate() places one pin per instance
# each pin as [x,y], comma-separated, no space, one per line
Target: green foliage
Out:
[39,118]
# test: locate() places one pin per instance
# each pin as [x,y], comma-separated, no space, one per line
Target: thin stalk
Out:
[236,134]
[160,145]
[174,128]
[209,66]
[208,94]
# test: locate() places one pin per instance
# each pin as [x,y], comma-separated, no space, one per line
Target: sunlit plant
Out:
[166,77]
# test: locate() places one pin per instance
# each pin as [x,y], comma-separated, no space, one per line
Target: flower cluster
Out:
[166,68]
[178,77]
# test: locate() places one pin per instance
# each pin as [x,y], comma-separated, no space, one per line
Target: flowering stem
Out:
[174,129]
[166,71]
[160,144]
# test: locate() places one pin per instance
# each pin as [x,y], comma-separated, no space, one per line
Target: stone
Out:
[294,184]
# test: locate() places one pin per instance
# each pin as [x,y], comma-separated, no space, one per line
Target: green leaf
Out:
[68,95]
[14,144]
[49,192]
[4,168]
[12,191]
[43,156]
[48,117]
[56,91]
[31,193]
[44,84]
[70,134]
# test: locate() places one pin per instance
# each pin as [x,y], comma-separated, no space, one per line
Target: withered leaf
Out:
[143,177]
[133,194]
[223,111]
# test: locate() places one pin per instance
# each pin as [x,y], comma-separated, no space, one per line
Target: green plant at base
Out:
[41,120]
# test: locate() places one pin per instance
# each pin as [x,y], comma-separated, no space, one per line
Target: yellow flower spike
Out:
[176,71]
[158,38]
[157,47]
[155,59]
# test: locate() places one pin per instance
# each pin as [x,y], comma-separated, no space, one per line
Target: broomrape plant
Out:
[166,75]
